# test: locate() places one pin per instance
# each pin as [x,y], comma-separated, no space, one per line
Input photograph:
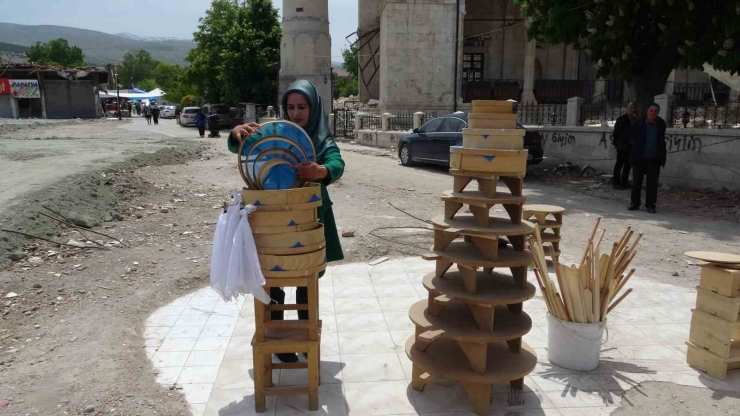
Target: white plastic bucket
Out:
[572,345]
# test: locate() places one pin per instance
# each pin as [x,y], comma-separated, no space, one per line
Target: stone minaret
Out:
[305,49]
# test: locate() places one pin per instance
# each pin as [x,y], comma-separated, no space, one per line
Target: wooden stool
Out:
[262,316]
[285,341]
[540,214]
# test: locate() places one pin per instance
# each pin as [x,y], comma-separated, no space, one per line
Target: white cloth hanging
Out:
[222,244]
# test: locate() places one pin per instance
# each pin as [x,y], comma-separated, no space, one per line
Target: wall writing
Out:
[563,139]
[368,137]
[681,143]
[603,141]
[394,138]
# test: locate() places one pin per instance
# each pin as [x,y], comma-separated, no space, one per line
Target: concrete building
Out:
[438,55]
[34,91]
[305,48]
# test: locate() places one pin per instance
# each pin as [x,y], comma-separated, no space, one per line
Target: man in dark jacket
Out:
[622,139]
[648,155]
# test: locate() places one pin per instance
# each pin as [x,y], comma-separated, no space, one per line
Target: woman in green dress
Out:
[302,105]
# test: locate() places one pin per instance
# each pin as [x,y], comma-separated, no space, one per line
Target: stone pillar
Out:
[358,123]
[14,107]
[734,95]
[666,103]
[385,122]
[331,123]
[573,115]
[669,83]
[417,119]
[529,59]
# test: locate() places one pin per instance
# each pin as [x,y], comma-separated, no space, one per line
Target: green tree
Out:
[167,75]
[147,84]
[56,52]
[136,66]
[641,41]
[351,61]
[238,52]
[345,86]
[188,101]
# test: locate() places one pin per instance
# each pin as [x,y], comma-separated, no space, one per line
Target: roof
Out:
[70,73]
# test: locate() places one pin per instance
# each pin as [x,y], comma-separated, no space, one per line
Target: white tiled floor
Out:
[202,344]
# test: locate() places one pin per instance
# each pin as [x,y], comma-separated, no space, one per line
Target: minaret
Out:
[305,49]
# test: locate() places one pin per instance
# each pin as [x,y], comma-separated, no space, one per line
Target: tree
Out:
[188,101]
[136,66]
[641,41]
[351,61]
[345,86]
[167,75]
[147,84]
[238,52]
[56,52]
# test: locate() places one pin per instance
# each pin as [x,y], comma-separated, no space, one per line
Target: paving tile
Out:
[238,375]
[442,396]
[197,393]
[654,353]
[398,304]
[331,403]
[198,374]
[351,305]
[331,373]
[198,358]
[529,400]
[348,270]
[417,278]
[236,402]
[361,322]
[157,332]
[178,344]
[666,334]
[161,320]
[150,351]
[353,290]
[617,381]
[170,359]
[212,344]
[244,327]
[192,320]
[406,364]
[329,343]
[184,332]
[394,277]
[592,411]
[691,378]
[222,320]
[400,337]
[226,310]
[203,301]
[197,409]
[169,310]
[581,399]
[379,398]
[642,315]
[183,300]
[564,383]
[328,323]
[217,331]
[536,338]
[398,321]
[676,315]
[240,348]
[395,291]
[167,375]
[371,367]
[365,342]
[627,335]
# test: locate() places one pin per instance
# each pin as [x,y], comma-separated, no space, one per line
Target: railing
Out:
[600,112]
[370,122]
[704,116]
[546,91]
[688,93]
[541,114]
[344,123]
[428,116]
[492,89]
[401,122]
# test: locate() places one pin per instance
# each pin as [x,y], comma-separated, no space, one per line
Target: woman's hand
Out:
[243,131]
[310,171]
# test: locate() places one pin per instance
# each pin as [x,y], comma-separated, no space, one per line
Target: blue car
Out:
[431,142]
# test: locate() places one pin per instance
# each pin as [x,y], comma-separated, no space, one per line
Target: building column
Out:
[417,119]
[669,83]
[385,121]
[666,103]
[573,115]
[529,59]
[331,124]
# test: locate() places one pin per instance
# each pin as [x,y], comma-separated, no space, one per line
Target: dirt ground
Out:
[71,337]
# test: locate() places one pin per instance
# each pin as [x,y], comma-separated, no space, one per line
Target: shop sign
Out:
[25,88]
[4,86]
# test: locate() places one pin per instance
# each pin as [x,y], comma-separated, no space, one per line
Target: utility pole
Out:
[118,95]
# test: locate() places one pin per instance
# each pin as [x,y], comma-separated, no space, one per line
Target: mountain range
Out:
[99,48]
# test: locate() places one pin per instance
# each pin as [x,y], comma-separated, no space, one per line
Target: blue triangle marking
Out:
[257,203]
[298,244]
[314,198]
[292,223]
[277,269]
[485,136]
[489,158]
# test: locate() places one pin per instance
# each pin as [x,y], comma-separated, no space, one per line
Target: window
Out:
[452,125]
[432,126]
[473,66]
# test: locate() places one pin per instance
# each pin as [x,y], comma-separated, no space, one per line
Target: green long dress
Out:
[327,154]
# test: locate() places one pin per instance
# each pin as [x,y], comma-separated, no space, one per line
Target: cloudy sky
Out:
[166,18]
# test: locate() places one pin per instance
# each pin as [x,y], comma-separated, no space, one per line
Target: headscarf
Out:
[317,127]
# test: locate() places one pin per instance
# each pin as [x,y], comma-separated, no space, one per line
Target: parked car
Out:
[168,112]
[431,142]
[187,117]
[223,112]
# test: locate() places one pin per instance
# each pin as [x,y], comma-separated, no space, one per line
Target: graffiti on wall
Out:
[681,143]
[563,139]
[395,138]
[603,141]
[367,137]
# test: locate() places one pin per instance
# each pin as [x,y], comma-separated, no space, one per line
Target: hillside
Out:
[99,48]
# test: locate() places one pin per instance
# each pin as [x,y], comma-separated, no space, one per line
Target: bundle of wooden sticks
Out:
[585,293]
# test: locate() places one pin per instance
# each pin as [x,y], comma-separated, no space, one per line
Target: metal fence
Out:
[344,123]
[370,122]
[600,112]
[698,93]
[401,122]
[541,113]
[709,115]
[546,91]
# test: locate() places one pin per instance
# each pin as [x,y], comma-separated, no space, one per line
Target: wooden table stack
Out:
[554,224]
[292,252]
[714,338]
[470,328]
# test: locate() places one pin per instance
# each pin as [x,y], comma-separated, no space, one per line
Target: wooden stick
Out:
[601,238]
[590,239]
[563,289]
[621,298]
[78,227]
[46,239]
[622,282]
[79,230]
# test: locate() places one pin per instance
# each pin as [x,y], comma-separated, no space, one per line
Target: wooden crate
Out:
[502,139]
[290,240]
[292,263]
[283,218]
[725,282]
[499,162]
[718,305]
[713,333]
[712,364]
[491,121]
[492,106]
[310,193]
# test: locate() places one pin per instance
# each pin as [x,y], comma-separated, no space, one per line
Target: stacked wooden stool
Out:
[470,328]
[714,340]
[292,253]
[540,213]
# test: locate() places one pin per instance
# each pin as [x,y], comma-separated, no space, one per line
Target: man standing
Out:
[622,139]
[648,155]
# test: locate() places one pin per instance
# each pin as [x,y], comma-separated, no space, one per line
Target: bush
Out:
[188,101]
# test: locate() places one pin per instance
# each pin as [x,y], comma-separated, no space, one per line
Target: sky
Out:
[165,18]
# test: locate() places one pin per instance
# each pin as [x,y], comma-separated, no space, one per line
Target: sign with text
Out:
[4,86]
[25,88]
